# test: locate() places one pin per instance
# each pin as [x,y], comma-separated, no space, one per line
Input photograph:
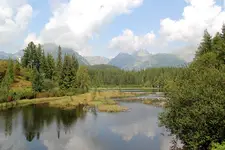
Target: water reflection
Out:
[143,127]
[35,118]
[43,128]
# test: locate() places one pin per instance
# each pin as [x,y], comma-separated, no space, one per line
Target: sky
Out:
[108,27]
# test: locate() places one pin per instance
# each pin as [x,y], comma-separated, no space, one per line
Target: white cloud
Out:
[14,18]
[197,16]
[73,23]
[128,42]
[31,37]
[143,127]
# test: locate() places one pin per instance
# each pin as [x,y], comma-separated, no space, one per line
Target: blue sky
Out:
[105,28]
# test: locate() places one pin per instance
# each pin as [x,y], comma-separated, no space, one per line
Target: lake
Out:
[43,128]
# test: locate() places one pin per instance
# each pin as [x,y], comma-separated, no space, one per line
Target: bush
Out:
[18,94]
[3,95]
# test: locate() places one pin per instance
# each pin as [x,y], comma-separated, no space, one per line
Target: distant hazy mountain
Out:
[49,48]
[136,61]
[53,49]
[122,60]
[4,55]
[97,60]
[143,59]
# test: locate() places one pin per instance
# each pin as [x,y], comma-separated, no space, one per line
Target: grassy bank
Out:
[100,100]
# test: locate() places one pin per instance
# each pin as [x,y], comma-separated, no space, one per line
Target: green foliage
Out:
[83,79]
[218,146]
[49,85]
[51,70]
[18,94]
[37,83]
[30,55]
[68,73]
[205,45]
[59,62]
[195,111]
[9,76]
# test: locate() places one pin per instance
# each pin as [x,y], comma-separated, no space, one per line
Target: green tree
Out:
[30,56]
[83,78]
[37,82]
[206,44]
[50,72]
[59,62]
[66,74]
[196,96]
[75,67]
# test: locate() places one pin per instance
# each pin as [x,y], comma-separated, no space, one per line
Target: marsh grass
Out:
[100,100]
[112,108]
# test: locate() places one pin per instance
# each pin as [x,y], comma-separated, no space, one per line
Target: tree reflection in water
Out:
[36,117]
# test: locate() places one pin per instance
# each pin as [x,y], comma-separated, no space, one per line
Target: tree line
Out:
[49,76]
[105,76]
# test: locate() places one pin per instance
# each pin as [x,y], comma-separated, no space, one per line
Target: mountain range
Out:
[138,60]
[143,59]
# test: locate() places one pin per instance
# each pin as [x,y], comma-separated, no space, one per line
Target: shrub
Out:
[18,94]
[3,95]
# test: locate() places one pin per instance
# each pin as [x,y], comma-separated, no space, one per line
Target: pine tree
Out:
[38,57]
[44,64]
[50,72]
[26,57]
[66,76]
[222,50]
[9,76]
[223,32]
[75,67]
[59,62]
[10,71]
[37,83]
[30,56]
[205,45]
[83,79]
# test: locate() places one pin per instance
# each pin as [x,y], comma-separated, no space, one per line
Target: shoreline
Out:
[102,100]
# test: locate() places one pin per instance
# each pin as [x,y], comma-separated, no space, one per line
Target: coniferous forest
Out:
[195,109]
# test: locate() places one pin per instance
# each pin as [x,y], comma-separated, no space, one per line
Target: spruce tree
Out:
[50,72]
[30,56]
[83,79]
[59,62]
[75,67]
[206,45]
[38,56]
[37,83]
[26,57]
[11,71]
[66,76]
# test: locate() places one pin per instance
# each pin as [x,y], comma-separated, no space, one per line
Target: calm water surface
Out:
[43,128]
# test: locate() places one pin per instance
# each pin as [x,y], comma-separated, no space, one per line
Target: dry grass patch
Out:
[112,108]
